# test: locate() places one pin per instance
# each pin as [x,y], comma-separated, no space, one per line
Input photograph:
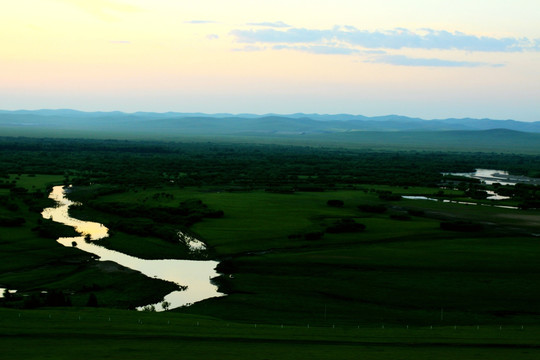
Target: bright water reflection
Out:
[3,291]
[195,275]
[490,177]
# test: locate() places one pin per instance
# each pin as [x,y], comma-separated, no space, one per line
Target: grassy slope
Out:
[395,271]
[84,333]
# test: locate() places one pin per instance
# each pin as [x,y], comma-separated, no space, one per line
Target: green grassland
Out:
[86,333]
[403,287]
[398,270]
[33,182]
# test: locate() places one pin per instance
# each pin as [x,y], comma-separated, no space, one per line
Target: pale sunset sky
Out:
[420,58]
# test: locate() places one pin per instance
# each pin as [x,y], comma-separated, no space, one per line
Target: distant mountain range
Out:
[241,124]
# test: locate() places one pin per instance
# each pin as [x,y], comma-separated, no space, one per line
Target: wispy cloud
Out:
[432,40]
[319,49]
[277,24]
[294,35]
[250,48]
[199,22]
[212,36]
[400,38]
[403,60]
[382,46]
[120,42]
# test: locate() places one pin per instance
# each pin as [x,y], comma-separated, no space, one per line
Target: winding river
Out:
[195,275]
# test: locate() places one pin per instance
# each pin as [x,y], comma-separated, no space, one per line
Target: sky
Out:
[420,58]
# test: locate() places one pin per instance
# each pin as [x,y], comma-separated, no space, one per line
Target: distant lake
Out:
[196,275]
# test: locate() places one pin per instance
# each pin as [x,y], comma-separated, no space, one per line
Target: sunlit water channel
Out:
[489,177]
[3,290]
[195,275]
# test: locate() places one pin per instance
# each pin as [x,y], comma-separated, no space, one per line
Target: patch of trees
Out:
[154,163]
[49,229]
[92,300]
[50,298]
[84,194]
[388,196]
[186,213]
[345,225]
[141,220]
[527,194]
[529,204]
[477,192]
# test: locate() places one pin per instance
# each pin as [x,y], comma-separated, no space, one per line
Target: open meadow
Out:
[321,254]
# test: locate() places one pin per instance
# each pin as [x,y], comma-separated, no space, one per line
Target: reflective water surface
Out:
[195,275]
[3,290]
[490,176]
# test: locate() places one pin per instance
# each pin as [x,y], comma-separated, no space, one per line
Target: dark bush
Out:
[335,203]
[92,300]
[316,235]
[52,230]
[57,298]
[345,226]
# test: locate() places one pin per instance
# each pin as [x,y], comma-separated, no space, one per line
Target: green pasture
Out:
[260,220]
[86,333]
[395,271]
[401,288]
[403,269]
[36,182]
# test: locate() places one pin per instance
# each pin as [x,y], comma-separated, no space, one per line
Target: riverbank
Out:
[34,264]
[192,277]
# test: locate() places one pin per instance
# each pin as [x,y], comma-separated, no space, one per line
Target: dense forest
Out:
[148,163]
